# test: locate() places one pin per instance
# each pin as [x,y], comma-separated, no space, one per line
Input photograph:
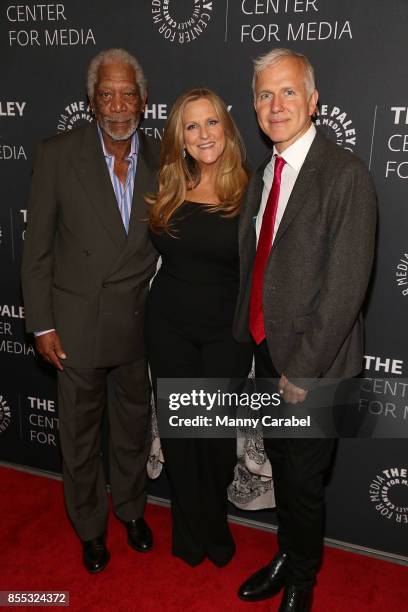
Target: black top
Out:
[199,277]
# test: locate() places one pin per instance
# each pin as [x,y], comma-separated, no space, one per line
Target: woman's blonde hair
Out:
[179,173]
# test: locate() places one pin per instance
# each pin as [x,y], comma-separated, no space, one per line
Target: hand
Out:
[50,349]
[289,392]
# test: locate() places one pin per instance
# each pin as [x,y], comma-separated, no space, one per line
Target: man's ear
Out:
[313,102]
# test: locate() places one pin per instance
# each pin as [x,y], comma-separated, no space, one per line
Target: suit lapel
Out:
[94,176]
[250,209]
[143,184]
[298,197]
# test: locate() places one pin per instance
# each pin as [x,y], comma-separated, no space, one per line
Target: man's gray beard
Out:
[118,138]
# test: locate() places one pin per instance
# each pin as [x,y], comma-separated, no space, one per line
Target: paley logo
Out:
[336,122]
[181,21]
[12,152]
[401,274]
[389,493]
[12,109]
[75,113]
[5,414]
[267,13]
[397,168]
[23,212]
[43,421]
[390,365]
[35,16]
[155,112]
[11,311]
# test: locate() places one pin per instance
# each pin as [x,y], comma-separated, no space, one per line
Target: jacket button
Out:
[136,313]
[86,252]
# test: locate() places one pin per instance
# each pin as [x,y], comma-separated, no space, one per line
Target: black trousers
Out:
[299,467]
[82,399]
[199,470]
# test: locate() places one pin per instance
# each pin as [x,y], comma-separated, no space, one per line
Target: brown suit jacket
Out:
[318,269]
[81,273]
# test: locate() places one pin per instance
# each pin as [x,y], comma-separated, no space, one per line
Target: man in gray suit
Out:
[307,234]
[86,268]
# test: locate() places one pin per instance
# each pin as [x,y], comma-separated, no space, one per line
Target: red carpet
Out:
[40,552]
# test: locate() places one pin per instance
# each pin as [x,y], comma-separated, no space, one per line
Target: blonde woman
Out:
[194,226]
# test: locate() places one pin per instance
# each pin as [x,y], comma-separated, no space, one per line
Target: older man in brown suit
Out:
[86,269]
[306,245]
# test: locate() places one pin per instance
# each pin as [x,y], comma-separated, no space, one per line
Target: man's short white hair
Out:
[279,54]
[112,56]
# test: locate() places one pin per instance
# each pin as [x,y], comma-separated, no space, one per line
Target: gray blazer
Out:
[319,267]
[81,273]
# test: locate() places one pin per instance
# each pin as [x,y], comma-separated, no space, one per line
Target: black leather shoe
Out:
[266,582]
[140,535]
[296,600]
[95,555]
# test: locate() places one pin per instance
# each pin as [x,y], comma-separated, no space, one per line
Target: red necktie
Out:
[256,319]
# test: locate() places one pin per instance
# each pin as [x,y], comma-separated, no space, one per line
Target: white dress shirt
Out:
[294,157]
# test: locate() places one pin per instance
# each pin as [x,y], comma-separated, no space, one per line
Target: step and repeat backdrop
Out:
[359,50]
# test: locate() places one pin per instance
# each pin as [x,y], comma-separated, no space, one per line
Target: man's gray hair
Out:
[111,56]
[279,54]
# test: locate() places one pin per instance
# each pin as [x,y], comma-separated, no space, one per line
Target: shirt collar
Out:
[134,146]
[295,154]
